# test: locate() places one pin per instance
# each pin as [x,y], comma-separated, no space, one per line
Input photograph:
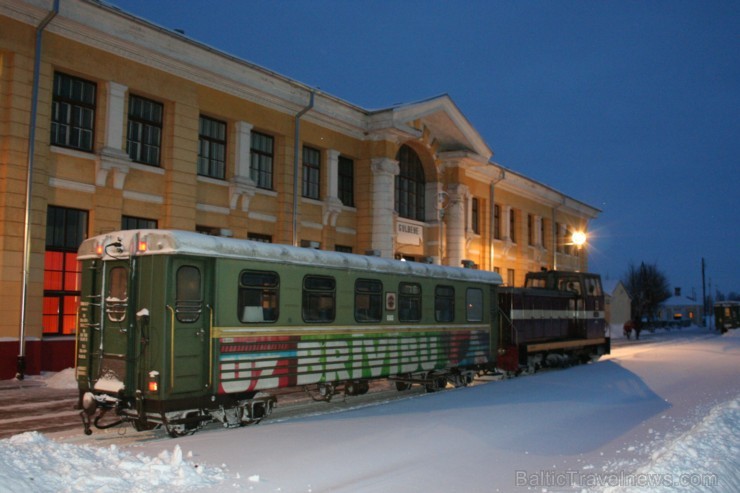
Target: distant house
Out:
[680,311]
[618,305]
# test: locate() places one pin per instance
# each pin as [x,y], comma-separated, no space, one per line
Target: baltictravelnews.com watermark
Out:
[564,479]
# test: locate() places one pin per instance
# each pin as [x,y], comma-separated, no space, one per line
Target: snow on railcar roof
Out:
[170,242]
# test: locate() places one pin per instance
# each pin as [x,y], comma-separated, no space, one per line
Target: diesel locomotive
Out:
[178,329]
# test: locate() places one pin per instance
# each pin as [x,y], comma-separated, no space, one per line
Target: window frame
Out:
[262,161]
[474,308]
[66,228]
[188,310]
[269,293]
[475,215]
[444,303]
[371,292]
[410,185]
[320,294]
[139,125]
[133,222]
[212,150]
[404,297]
[73,118]
[346,181]
[311,173]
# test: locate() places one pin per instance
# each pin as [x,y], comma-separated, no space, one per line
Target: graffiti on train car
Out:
[254,363]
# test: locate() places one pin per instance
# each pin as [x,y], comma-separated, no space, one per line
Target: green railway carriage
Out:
[179,328]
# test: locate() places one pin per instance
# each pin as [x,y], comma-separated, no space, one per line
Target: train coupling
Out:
[93,408]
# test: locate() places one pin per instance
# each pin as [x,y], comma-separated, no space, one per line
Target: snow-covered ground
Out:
[659,414]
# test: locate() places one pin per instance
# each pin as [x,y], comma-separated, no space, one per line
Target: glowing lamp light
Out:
[142,247]
[579,238]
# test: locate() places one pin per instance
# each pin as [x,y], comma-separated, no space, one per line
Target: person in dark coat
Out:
[628,326]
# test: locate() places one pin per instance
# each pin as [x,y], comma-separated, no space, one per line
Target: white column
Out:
[455,219]
[506,220]
[113,156]
[383,203]
[116,116]
[332,172]
[242,186]
[332,206]
[243,149]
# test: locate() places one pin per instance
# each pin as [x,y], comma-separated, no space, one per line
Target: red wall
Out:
[46,355]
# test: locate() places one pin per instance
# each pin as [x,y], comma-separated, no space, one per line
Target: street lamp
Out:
[578,238]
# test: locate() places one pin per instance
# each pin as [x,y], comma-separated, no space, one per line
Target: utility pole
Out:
[703,291]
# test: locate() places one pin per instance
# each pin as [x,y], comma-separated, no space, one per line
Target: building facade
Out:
[617,306]
[123,124]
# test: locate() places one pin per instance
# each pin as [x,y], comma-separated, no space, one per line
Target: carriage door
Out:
[190,312]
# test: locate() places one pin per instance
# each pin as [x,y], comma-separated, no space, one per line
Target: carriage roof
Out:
[171,242]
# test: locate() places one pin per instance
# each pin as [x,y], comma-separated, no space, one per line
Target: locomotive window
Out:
[474,305]
[409,302]
[188,300]
[117,300]
[368,300]
[593,286]
[319,299]
[444,303]
[258,296]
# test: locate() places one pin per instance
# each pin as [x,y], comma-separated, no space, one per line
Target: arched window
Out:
[410,184]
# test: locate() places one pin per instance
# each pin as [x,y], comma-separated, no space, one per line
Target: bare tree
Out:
[648,287]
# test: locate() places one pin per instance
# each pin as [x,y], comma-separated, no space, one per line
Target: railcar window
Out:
[474,304]
[258,296]
[444,303]
[319,299]
[593,286]
[117,300]
[188,298]
[368,300]
[409,302]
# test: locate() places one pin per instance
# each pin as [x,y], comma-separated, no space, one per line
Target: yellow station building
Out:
[121,124]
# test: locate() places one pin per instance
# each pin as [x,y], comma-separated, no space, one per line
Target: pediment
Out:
[437,119]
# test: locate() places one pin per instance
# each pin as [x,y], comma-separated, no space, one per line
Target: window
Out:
[342,248]
[258,296]
[207,230]
[543,228]
[259,237]
[559,245]
[530,229]
[409,302]
[144,142]
[444,303]
[65,231]
[497,222]
[410,185]
[212,150]
[73,112]
[116,301]
[510,277]
[474,305]
[130,222]
[512,225]
[346,181]
[262,155]
[319,296]
[475,216]
[368,300]
[593,286]
[311,173]
[188,298]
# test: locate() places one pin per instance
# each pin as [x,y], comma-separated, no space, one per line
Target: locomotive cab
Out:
[555,319]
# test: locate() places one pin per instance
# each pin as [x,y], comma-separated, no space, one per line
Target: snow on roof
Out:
[119,244]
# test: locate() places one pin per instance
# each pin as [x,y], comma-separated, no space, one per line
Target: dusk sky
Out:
[632,107]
